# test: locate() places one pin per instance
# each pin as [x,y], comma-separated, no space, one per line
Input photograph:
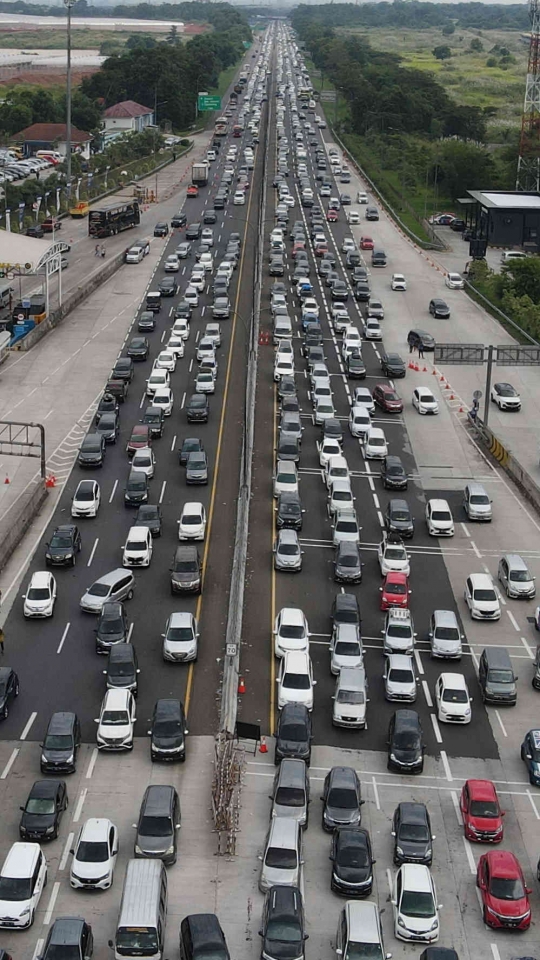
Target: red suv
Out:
[395,591]
[140,437]
[481,812]
[387,399]
[505,898]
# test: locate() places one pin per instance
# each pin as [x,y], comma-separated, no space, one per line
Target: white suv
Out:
[22,880]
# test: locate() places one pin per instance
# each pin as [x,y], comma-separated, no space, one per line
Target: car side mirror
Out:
[433,836]
[339,951]
[21,808]
[393,833]
[110,943]
[96,719]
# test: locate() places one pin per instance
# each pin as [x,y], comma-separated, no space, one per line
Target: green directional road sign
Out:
[206,102]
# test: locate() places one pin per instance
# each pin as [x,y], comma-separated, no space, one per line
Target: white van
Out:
[140,931]
[23,877]
[282,329]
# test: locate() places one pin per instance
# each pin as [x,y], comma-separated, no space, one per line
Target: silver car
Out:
[290,794]
[180,640]
[345,647]
[282,857]
[445,635]
[399,678]
[350,699]
[515,577]
[287,552]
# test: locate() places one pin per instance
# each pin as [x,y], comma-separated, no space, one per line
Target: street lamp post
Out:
[68,4]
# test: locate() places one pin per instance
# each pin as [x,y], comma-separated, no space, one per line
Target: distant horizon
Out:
[289,4]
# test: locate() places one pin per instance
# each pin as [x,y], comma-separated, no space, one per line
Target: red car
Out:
[140,437]
[193,190]
[366,243]
[320,249]
[395,591]
[481,812]
[298,246]
[505,898]
[387,399]
[332,216]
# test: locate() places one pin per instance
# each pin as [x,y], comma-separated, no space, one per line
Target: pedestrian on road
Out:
[102,250]
[2,638]
[97,251]
[410,341]
[421,350]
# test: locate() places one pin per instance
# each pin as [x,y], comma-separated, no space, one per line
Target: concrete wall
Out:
[17,520]
[528,485]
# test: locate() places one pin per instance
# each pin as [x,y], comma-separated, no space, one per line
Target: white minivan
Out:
[22,880]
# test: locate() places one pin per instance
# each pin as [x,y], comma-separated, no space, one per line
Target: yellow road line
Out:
[191,669]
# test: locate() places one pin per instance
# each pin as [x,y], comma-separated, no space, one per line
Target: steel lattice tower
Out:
[528,171]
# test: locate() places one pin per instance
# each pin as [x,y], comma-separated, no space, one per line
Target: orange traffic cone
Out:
[433,373]
[442,379]
[461,410]
[241,685]
[424,370]
[7,480]
[447,387]
[262,746]
[451,397]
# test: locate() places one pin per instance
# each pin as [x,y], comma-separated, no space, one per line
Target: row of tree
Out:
[417,14]
[516,290]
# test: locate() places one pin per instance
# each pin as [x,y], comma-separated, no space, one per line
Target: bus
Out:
[221,127]
[237,130]
[106,221]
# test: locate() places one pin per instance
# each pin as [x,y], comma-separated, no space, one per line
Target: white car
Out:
[424,401]
[94,855]
[181,329]
[359,422]
[172,263]
[291,632]
[23,878]
[180,640]
[452,699]
[205,348]
[86,499]
[372,329]
[207,236]
[310,306]
[138,548]
[399,678]
[439,519]
[176,345]
[398,282]
[239,198]
[414,899]
[352,338]
[283,367]
[375,446]
[197,282]
[285,478]
[336,468]
[454,281]
[40,595]
[165,360]
[213,332]
[348,244]
[362,398]
[164,398]
[392,556]
[340,497]
[328,448]
[319,371]
[183,250]
[191,296]
[116,721]
[353,216]
[206,260]
[192,522]
[285,348]
[345,527]
[205,382]
[324,410]
[144,460]
[295,681]
[362,197]
[209,364]
[158,380]
[481,597]
[226,268]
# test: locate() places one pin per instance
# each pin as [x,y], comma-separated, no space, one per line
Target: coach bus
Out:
[107,221]
[221,127]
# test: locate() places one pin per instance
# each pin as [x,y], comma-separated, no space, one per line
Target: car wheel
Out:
[6,712]
[17,690]
[130,595]
[531,780]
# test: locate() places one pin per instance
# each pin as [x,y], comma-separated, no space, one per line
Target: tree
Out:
[443,52]
[491,62]
[172,36]
[476,45]
[110,48]
[523,278]
[448,30]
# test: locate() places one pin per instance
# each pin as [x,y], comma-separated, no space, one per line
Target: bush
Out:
[442,52]
[491,62]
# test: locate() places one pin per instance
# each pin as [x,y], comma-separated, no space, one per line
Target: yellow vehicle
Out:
[80,209]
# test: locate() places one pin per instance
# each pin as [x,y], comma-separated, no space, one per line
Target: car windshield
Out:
[180,633]
[85,493]
[479,498]
[89,852]
[413,831]
[354,855]
[185,566]
[283,931]
[57,741]
[92,446]
[441,515]
[16,888]
[342,797]
[349,560]
[417,903]
[40,805]
[400,515]
[136,484]
[484,808]
[507,888]
[286,478]
[486,595]
[292,632]
[400,676]
[155,827]
[406,740]
[290,796]
[296,681]
[396,589]
[347,526]
[289,510]
[447,633]
[281,858]
[115,717]
[38,593]
[363,951]
[61,540]
[455,696]
[189,518]
[134,941]
[395,553]
[505,390]
[377,441]
[520,576]
[351,696]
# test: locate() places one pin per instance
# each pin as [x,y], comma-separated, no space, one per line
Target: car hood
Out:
[13,909]
[57,756]
[353,874]
[282,949]
[293,748]
[485,824]
[154,846]
[37,822]
[60,552]
[114,731]
[447,646]
[508,908]
[338,815]
[89,871]
[355,711]
[406,756]
[168,743]
[280,875]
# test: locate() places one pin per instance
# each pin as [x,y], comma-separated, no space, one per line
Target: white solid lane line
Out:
[513,621]
[502,726]
[455,801]
[527,647]
[64,635]
[29,723]
[52,901]
[427,694]
[38,948]
[113,491]
[9,764]
[93,758]
[78,808]
[162,494]
[376,793]
[469,855]
[446,766]
[533,804]
[94,548]
[418,659]
[65,854]
[436,729]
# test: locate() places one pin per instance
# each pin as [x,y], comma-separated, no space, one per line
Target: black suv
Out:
[289,511]
[43,811]
[146,321]
[197,408]
[149,515]
[398,519]
[69,937]
[201,936]
[405,742]
[138,348]
[92,451]
[186,570]
[161,229]
[179,220]
[393,474]
[112,626]
[420,338]
[155,418]
[294,733]
[345,609]
[123,369]
[9,689]
[122,669]
[107,404]
[61,743]
[109,426]
[169,731]
[411,830]
[283,932]
[63,546]
[393,365]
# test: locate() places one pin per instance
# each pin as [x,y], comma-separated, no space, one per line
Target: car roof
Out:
[285,901]
[351,678]
[416,876]
[400,661]
[20,860]
[205,927]
[283,832]
[296,661]
[45,788]
[412,812]
[116,699]
[41,578]
[294,713]
[455,681]
[342,776]
[407,718]
[288,536]
[363,921]
[96,829]
[180,619]
[168,707]
[66,930]
[503,863]
[481,789]
[157,799]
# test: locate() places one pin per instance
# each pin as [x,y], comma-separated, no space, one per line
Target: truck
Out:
[199,174]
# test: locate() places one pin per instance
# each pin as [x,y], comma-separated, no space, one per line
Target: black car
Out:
[161,229]
[439,308]
[393,365]
[136,489]
[36,231]
[332,430]
[107,404]
[352,862]
[393,474]
[168,731]
[112,626]
[442,953]
[146,321]
[70,938]
[286,387]
[201,937]
[92,451]
[138,348]
[530,754]
[411,830]
[179,220]
[43,810]
[355,367]
[277,267]
[341,799]
[289,511]
[9,689]
[118,389]
[405,742]
[186,570]
[149,515]
[420,338]
[458,225]
[339,291]
[63,546]
[168,287]
[282,931]
[362,291]
[197,468]
[122,669]
[189,445]
[293,733]
[209,216]
[155,419]
[290,404]
[183,310]
[197,408]
[345,609]
[347,562]
[398,518]
[109,427]
[123,369]
[193,231]
[61,744]
[288,446]
[315,355]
